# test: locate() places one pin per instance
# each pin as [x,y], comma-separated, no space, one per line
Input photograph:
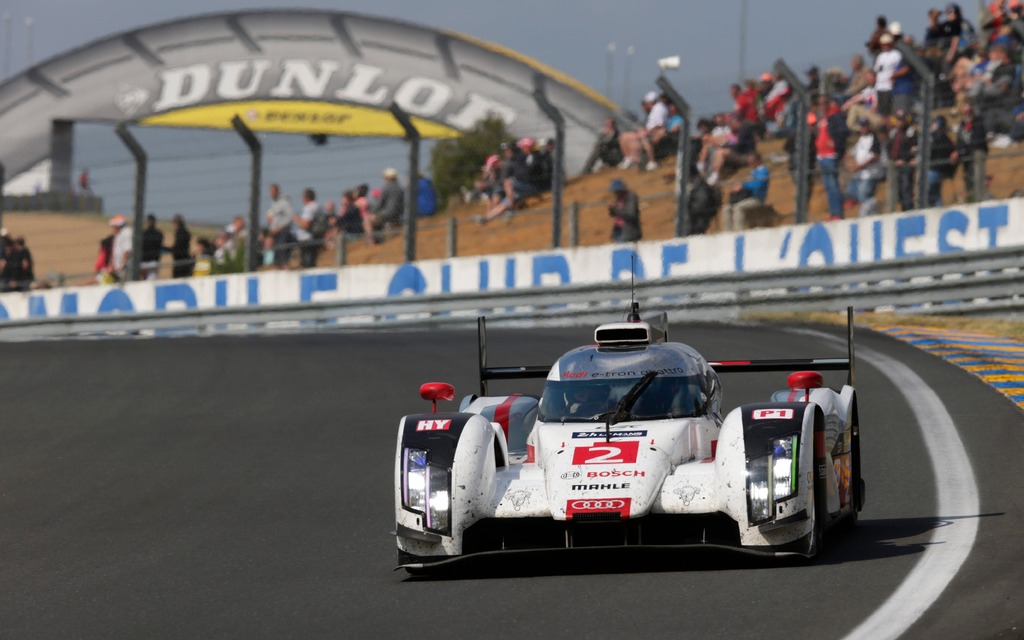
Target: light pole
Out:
[7,44]
[28,26]
[743,40]
[625,80]
[610,66]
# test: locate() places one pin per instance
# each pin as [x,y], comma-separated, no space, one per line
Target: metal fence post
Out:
[252,248]
[453,237]
[339,250]
[3,198]
[412,136]
[683,160]
[802,149]
[891,186]
[140,196]
[924,141]
[980,193]
[557,174]
[574,224]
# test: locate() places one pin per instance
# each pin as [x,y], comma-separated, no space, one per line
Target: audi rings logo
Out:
[597,505]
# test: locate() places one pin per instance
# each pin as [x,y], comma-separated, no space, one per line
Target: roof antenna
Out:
[634,307]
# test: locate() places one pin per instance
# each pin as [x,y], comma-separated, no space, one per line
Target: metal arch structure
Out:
[309,72]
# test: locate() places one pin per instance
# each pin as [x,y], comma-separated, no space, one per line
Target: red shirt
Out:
[746,105]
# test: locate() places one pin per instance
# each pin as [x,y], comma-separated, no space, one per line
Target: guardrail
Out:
[964,283]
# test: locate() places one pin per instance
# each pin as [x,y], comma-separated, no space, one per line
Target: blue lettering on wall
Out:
[784,249]
[510,273]
[446,278]
[220,293]
[906,228]
[253,291]
[817,240]
[407,279]
[485,275]
[116,300]
[3,312]
[69,304]
[854,243]
[673,254]
[741,245]
[952,220]
[992,218]
[627,260]
[36,307]
[551,263]
[310,284]
[177,292]
[876,239]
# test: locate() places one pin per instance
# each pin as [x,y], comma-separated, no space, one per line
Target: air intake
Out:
[623,333]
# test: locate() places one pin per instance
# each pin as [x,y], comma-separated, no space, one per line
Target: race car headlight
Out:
[784,468]
[414,475]
[771,479]
[439,501]
[426,489]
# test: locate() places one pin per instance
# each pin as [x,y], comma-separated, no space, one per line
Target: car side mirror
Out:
[435,391]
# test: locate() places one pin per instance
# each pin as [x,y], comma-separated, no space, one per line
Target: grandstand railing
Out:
[968,283]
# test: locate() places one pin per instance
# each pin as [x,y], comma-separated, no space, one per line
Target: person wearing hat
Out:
[866,168]
[886,63]
[635,144]
[624,209]
[390,208]
[874,41]
[121,249]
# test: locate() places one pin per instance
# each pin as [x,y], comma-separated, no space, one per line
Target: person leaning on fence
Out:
[625,212]
[279,225]
[943,161]
[181,250]
[748,195]
[152,247]
[903,153]
[309,224]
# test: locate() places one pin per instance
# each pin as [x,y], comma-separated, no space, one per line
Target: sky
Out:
[570,35]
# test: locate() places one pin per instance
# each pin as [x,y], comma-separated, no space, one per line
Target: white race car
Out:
[627,446]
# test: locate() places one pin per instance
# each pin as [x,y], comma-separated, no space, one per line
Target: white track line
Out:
[957,493]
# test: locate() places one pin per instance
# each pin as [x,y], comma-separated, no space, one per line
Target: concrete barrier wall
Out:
[859,241]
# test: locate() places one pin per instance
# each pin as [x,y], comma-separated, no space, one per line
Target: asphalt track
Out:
[242,488]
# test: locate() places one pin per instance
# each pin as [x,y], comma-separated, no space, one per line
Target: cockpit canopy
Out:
[590,381]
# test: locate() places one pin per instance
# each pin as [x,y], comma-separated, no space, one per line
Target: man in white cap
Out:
[391,205]
[886,63]
[633,143]
[121,250]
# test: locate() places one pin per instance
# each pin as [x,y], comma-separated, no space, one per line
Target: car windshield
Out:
[587,400]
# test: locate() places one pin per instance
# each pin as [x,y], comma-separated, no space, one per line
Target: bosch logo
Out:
[615,473]
[594,505]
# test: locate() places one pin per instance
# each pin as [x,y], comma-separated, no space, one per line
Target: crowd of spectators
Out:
[17,269]
[520,170]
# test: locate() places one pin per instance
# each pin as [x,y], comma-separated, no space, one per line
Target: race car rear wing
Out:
[721,366]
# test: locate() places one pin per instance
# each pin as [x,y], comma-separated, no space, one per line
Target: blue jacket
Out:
[757,185]
[426,197]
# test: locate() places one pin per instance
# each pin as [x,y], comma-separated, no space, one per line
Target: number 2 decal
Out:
[607,453]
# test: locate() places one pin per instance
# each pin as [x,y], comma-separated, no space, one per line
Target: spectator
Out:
[874,43]
[863,104]
[886,63]
[970,138]
[933,31]
[390,208]
[121,251]
[943,161]
[775,100]
[751,194]
[625,212]
[279,225]
[101,268]
[487,186]
[203,258]
[607,149]
[9,268]
[642,141]
[306,231]
[957,35]
[181,250]
[904,86]
[83,182]
[997,91]
[237,235]
[903,152]
[745,102]
[733,154]
[350,220]
[545,169]
[152,247]
[514,181]
[426,197]
[366,214]
[867,169]
[18,270]
[813,79]
[858,76]
[830,133]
